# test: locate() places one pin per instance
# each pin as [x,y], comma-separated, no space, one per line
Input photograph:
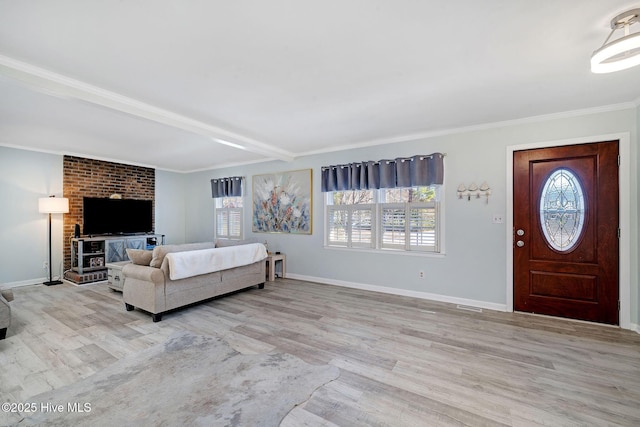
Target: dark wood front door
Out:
[565,218]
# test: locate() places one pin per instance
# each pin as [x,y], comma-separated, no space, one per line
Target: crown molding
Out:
[55,84]
[129,162]
[474,128]
[83,155]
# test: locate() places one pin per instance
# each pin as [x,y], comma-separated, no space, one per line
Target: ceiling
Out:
[194,85]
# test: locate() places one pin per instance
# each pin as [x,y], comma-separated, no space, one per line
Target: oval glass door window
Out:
[562,212]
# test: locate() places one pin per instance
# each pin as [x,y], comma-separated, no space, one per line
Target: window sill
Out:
[388,252]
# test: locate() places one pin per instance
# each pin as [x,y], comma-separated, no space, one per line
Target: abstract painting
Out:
[282,202]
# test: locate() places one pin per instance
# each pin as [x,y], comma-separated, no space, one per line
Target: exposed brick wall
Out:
[96,178]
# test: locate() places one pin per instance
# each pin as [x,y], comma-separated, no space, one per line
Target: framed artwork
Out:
[282,202]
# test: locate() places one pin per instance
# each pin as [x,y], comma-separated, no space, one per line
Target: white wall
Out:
[199,212]
[170,206]
[474,267]
[25,176]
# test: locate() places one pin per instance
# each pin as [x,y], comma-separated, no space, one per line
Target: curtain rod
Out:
[377,162]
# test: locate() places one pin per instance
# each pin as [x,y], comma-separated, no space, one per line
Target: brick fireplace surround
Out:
[96,178]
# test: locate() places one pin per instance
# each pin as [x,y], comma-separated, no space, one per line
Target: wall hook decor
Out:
[474,191]
[461,191]
[485,190]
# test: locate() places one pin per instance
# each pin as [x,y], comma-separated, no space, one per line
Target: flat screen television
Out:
[116,216]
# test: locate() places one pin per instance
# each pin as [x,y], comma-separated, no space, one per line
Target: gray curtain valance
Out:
[226,187]
[418,170]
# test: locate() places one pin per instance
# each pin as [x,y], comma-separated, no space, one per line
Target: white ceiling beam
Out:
[59,85]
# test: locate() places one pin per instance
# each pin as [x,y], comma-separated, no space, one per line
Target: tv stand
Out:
[90,255]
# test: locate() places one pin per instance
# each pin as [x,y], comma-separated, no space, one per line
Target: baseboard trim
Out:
[37,281]
[415,294]
[82,285]
[402,292]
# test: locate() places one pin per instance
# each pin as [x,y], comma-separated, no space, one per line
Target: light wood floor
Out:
[403,362]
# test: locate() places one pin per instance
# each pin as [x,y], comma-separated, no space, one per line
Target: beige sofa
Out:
[6,295]
[150,287]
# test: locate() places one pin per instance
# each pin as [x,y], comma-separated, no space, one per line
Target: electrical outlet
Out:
[421,274]
[45,265]
[498,219]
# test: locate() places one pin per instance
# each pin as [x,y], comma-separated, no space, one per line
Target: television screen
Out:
[116,216]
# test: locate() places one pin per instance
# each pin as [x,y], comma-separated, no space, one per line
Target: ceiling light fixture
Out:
[621,53]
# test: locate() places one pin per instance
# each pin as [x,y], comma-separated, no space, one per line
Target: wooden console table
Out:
[271,265]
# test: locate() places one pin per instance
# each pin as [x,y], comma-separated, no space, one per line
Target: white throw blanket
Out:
[193,263]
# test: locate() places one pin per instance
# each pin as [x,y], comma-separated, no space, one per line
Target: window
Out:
[228,217]
[562,212]
[227,193]
[389,204]
[409,218]
[403,219]
[351,217]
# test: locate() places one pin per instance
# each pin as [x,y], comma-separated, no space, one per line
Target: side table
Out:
[114,274]
[271,265]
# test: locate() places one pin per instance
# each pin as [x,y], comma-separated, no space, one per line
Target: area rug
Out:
[188,380]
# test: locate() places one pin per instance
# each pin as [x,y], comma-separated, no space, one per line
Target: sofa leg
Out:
[261,286]
[129,307]
[157,317]
[3,333]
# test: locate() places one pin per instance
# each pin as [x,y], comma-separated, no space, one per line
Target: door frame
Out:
[624,197]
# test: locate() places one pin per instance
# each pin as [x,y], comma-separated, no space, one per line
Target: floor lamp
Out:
[51,205]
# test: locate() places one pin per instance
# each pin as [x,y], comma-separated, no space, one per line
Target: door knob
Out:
[519,243]
[520,232]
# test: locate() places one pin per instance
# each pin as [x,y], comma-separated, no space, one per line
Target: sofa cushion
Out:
[140,256]
[159,252]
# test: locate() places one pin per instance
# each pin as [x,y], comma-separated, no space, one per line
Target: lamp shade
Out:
[53,205]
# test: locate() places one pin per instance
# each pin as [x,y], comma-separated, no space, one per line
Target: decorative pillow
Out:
[140,256]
